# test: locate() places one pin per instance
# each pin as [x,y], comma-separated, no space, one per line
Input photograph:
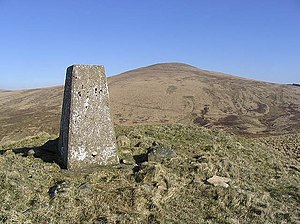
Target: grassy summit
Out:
[164,188]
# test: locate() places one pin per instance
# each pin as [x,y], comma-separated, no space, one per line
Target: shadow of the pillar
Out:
[47,152]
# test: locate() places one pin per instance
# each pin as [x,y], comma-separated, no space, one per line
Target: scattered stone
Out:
[127,161]
[30,152]
[219,181]
[162,185]
[155,153]
[59,188]
[158,153]
[123,141]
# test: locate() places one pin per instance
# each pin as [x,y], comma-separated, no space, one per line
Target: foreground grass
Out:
[263,187]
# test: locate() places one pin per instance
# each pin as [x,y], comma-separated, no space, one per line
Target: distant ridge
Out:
[166,93]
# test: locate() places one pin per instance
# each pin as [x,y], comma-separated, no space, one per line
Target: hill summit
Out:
[166,93]
[180,93]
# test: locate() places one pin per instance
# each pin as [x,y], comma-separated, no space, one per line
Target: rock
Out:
[127,161]
[38,152]
[157,153]
[219,181]
[30,152]
[60,187]
[123,141]
[162,185]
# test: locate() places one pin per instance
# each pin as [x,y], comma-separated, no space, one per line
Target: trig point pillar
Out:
[86,131]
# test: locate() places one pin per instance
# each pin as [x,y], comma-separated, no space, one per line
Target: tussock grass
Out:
[263,187]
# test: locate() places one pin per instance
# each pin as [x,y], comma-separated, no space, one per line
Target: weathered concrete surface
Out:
[86,134]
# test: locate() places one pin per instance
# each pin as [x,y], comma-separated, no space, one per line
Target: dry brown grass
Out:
[264,186]
[165,93]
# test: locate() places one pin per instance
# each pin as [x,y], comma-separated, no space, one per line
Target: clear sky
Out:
[257,39]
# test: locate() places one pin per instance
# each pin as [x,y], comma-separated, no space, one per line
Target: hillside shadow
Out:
[47,152]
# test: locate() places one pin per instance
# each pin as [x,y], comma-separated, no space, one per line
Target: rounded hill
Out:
[166,93]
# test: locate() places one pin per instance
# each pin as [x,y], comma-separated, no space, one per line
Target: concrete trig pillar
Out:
[86,132]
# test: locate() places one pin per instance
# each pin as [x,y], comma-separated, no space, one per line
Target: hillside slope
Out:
[172,93]
[166,93]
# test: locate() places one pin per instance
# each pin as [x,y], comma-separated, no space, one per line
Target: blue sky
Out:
[257,39]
